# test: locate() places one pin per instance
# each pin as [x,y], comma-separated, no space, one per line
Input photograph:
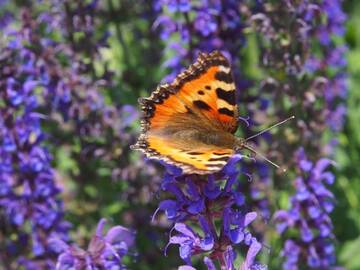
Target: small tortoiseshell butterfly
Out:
[191,122]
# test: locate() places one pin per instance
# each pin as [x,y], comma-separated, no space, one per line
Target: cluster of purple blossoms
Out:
[29,203]
[203,202]
[306,51]
[308,217]
[5,16]
[103,252]
[191,27]
[329,61]
[299,43]
[333,63]
[33,78]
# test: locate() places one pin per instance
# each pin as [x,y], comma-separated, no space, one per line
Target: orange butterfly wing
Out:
[201,100]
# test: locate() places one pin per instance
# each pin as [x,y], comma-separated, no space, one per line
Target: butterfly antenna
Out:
[263,157]
[267,129]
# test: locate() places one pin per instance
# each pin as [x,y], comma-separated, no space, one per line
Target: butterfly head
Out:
[239,144]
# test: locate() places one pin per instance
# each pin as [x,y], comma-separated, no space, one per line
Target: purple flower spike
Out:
[205,201]
[29,196]
[318,31]
[311,221]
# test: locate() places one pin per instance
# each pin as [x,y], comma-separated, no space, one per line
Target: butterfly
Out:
[190,123]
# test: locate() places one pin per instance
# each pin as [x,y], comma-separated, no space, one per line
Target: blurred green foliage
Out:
[346,216]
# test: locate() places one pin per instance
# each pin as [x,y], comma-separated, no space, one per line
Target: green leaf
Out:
[349,255]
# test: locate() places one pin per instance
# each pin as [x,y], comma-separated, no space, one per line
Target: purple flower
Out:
[186,267]
[190,242]
[6,17]
[104,251]
[209,263]
[336,117]
[312,220]
[205,23]
[214,198]
[174,5]
[248,264]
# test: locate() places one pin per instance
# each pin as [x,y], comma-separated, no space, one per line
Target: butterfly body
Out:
[191,122]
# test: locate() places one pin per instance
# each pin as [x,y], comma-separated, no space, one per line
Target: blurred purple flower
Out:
[216,25]
[336,117]
[307,46]
[173,5]
[104,251]
[205,23]
[28,193]
[309,215]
